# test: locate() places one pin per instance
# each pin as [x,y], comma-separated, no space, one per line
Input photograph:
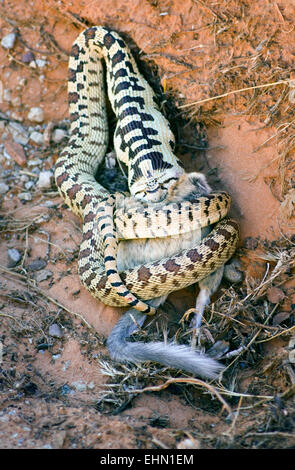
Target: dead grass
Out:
[236,327]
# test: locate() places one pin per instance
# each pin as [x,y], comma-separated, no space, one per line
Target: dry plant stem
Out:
[247,322]
[280,131]
[231,431]
[233,92]
[288,393]
[283,332]
[270,434]
[230,393]
[291,373]
[243,350]
[159,443]
[49,243]
[157,388]
[12,318]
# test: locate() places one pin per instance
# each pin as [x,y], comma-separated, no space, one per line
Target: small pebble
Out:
[40,63]
[280,317]
[55,357]
[79,386]
[16,152]
[55,331]
[58,135]
[18,132]
[65,390]
[25,196]
[49,204]
[29,185]
[45,179]
[28,57]
[250,243]
[8,41]
[37,264]
[35,162]
[43,275]
[189,444]
[36,114]
[37,137]
[14,257]
[3,188]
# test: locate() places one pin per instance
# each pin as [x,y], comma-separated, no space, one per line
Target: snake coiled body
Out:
[143,141]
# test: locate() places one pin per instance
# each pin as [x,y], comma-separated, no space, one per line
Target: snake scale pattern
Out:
[144,142]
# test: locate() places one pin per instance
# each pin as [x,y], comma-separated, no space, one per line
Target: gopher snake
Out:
[143,141]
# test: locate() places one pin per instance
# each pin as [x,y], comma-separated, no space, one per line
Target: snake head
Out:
[154,186]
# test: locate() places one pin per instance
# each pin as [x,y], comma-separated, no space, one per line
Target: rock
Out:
[35,162]
[275,295]
[3,188]
[8,41]
[27,57]
[79,386]
[280,317]
[55,331]
[14,257]
[25,196]
[40,63]
[189,443]
[58,135]
[37,264]
[48,133]
[58,439]
[65,390]
[45,179]
[16,152]
[43,275]
[49,204]
[36,115]
[250,243]
[36,137]
[18,133]
[29,185]
[55,357]
[24,178]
